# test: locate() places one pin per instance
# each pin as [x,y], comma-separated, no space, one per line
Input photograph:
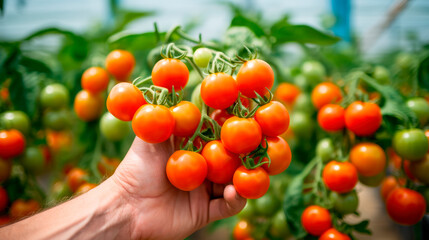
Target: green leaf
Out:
[24,89]
[51,30]
[127,16]
[423,73]
[246,22]
[34,65]
[1,7]
[302,34]
[132,42]
[282,22]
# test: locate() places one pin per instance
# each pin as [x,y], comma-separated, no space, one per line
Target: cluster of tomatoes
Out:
[217,138]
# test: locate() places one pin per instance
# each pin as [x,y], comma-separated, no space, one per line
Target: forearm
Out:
[98,214]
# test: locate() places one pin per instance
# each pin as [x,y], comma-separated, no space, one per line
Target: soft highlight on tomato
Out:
[316,220]
[120,63]
[368,158]
[221,163]
[219,90]
[325,93]
[251,183]
[331,117]
[255,76]
[363,118]
[241,135]
[123,101]
[273,118]
[169,73]
[88,106]
[95,79]
[280,155]
[186,170]
[187,117]
[340,177]
[12,143]
[153,123]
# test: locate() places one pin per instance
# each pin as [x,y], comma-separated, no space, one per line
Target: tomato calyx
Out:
[257,157]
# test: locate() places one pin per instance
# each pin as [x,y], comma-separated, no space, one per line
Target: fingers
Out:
[229,205]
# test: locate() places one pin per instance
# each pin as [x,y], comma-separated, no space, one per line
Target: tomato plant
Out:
[123,101]
[95,80]
[287,93]
[255,76]
[242,231]
[402,198]
[12,143]
[88,106]
[325,93]
[186,170]
[314,71]
[220,116]
[280,155]
[419,169]
[420,107]
[368,158]
[16,120]
[169,73]
[120,63]
[76,177]
[112,128]
[187,117]
[333,234]
[251,183]
[57,120]
[363,118]
[5,169]
[202,57]
[54,96]
[345,203]
[340,177]
[21,208]
[153,123]
[241,135]
[273,118]
[219,90]
[411,144]
[33,159]
[316,220]
[331,117]
[325,149]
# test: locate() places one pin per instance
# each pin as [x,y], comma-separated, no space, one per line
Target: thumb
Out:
[231,204]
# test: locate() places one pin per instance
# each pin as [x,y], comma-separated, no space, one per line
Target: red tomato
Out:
[287,93]
[76,177]
[220,116]
[273,118]
[334,234]
[88,106]
[5,220]
[219,90]
[368,158]
[4,199]
[12,143]
[316,220]
[389,184]
[221,164]
[123,101]
[187,116]
[242,231]
[340,177]
[21,208]
[255,76]
[95,80]
[405,206]
[280,155]
[251,183]
[153,123]
[186,170]
[241,135]
[363,119]
[331,117]
[120,64]
[169,73]
[325,93]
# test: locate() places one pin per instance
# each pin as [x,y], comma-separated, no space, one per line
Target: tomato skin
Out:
[95,80]
[21,208]
[331,117]
[333,234]
[255,75]
[202,57]
[325,93]
[120,64]
[340,177]
[251,183]
[316,220]
[280,155]
[267,205]
[88,106]
[169,73]
[420,107]
[12,143]
[242,231]
[287,93]
[153,123]
[54,96]
[221,164]
[405,206]
[75,178]
[112,128]
[313,71]
[241,135]
[56,119]
[302,125]
[186,170]
[368,158]
[325,149]
[388,185]
[273,118]
[5,169]
[345,203]
[411,144]
[219,90]
[419,169]
[16,120]
[279,227]
[220,116]
[33,159]
[123,101]
[4,199]
[363,118]
[187,117]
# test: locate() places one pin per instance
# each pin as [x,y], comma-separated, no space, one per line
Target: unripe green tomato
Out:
[267,205]
[314,71]
[279,227]
[303,104]
[57,119]
[16,120]
[248,211]
[302,125]
[420,107]
[302,82]
[196,97]
[112,128]
[411,144]
[372,181]
[202,57]
[381,74]
[325,150]
[33,160]
[54,96]
[345,203]
[404,61]
[420,169]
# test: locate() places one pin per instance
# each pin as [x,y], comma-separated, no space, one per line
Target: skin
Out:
[137,202]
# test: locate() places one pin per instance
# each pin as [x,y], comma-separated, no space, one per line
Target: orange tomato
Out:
[76,177]
[368,158]
[120,64]
[95,80]
[325,93]
[88,106]
[21,208]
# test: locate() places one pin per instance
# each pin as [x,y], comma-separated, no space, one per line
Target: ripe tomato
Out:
[242,231]
[58,140]
[5,169]
[251,183]
[368,158]
[54,96]
[220,116]
[169,73]
[95,79]
[187,117]
[4,199]
[411,144]
[123,101]
[85,187]
[325,93]
[16,120]
[202,57]
[12,143]
[255,76]
[33,159]
[420,169]
[186,170]
[107,166]
[88,106]
[316,220]
[273,118]
[345,203]
[120,64]
[221,164]
[21,208]
[241,135]
[331,117]
[280,155]
[153,123]
[112,128]
[340,177]
[287,93]
[333,234]
[405,206]
[57,120]
[219,90]
[76,177]
[363,118]
[389,184]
